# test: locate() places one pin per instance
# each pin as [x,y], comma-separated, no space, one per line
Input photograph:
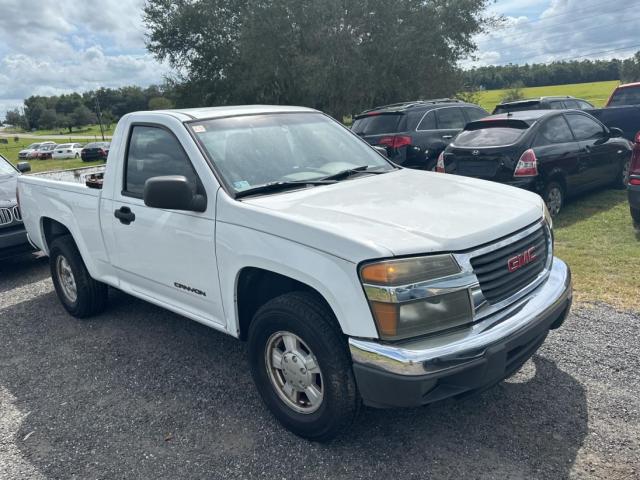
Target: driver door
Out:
[165,256]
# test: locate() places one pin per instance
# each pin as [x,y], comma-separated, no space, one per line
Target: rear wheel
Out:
[554,197]
[77,155]
[81,295]
[622,177]
[301,366]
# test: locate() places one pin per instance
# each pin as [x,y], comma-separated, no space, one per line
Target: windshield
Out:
[5,167]
[259,149]
[625,96]
[33,146]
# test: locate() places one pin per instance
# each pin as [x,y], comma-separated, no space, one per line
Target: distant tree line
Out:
[555,73]
[75,110]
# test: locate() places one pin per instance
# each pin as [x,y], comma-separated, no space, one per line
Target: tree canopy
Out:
[339,57]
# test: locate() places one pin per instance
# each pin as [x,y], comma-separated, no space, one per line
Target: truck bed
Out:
[89,176]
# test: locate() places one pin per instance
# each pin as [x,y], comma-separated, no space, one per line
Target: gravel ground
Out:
[142,393]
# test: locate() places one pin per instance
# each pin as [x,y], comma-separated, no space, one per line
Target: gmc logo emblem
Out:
[519,261]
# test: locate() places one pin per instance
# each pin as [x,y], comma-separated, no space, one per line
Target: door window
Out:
[571,104]
[154,152]
[555,130]
[475,114]
[450,119]
[584,128]
[557,105]
[428,122]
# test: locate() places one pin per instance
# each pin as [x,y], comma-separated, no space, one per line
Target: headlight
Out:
[415,296]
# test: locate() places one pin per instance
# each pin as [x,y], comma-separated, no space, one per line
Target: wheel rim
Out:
[554,200]
[66,279]
[294,372]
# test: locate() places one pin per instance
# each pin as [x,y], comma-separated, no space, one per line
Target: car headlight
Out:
[411,297]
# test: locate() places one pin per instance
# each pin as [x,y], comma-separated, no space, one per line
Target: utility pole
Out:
[99,117]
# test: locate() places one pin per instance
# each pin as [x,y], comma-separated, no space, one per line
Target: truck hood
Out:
[397,213]
[8,190]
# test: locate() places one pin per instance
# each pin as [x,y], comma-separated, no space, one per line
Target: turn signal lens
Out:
[409,270]
[386,315]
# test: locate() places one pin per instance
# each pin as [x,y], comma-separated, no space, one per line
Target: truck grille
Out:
[17,215]
[6,217]
[503,272]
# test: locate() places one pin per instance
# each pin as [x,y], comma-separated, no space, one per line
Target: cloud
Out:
[560,30]
[59,46]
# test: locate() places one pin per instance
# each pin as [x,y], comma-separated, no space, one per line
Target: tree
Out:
[160,103]
[82,116]
[14,117]
[336,56]
[66,121]
[48,119]
[514,93]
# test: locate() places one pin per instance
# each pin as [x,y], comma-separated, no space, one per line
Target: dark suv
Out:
[543,103]
[415,133]
[13,236]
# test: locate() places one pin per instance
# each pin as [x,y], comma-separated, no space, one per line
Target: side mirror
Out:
[24,167]
[173,192]
[615,132]
[382,151]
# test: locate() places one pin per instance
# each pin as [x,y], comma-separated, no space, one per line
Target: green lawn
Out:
[88,130]
[596,93]
[595,237]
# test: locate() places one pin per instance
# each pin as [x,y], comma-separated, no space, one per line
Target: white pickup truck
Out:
[353,280]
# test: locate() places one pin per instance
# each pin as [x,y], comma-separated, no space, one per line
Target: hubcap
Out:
[554,201]
[66,279]
[294,372]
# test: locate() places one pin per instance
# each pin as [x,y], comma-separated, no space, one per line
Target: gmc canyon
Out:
[353,281]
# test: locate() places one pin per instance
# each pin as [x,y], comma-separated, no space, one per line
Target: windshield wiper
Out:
[283,185]
[352,171]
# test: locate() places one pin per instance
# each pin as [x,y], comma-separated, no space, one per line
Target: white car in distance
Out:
[67,150]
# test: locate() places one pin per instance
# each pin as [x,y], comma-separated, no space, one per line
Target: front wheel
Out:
[554,197]
[81,295]
[622,178]
[301,366]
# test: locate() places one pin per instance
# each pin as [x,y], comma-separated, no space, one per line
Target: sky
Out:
[51,47]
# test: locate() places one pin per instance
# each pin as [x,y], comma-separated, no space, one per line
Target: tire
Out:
[69,273]
[304,316]
[622,177]
[554,197]
[77,155]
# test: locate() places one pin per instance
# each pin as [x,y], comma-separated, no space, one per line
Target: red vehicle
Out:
[633,187]
[45,151]
[623,95]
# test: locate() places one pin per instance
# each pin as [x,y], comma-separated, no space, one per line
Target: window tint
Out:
[571,104]
[428,122]
[475,114]
[488,137]
[625,96]
[584,105]
[557,105]
[555,130]
[377,124]
[584,127]
[154,152]
[450,119]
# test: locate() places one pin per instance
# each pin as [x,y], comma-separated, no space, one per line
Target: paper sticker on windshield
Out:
[199,129]
[242,184]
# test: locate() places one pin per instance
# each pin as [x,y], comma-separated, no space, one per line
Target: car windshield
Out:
[625,96]
[255,150]
[95,145]
[33,146]
[5,167]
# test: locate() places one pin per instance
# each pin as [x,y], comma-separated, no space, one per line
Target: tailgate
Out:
[486,164]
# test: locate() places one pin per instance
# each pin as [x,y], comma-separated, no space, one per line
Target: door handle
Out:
[447,137]
[125,215]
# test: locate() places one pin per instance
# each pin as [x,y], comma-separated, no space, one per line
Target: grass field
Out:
[88,130]
[596,93]
[594,236]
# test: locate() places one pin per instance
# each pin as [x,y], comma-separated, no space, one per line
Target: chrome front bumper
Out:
[542,309]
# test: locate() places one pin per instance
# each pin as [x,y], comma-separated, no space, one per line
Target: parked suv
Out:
[13,236]
[415,133]
[553,153]
[543,103]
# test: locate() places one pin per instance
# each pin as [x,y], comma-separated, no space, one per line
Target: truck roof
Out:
[186,114]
